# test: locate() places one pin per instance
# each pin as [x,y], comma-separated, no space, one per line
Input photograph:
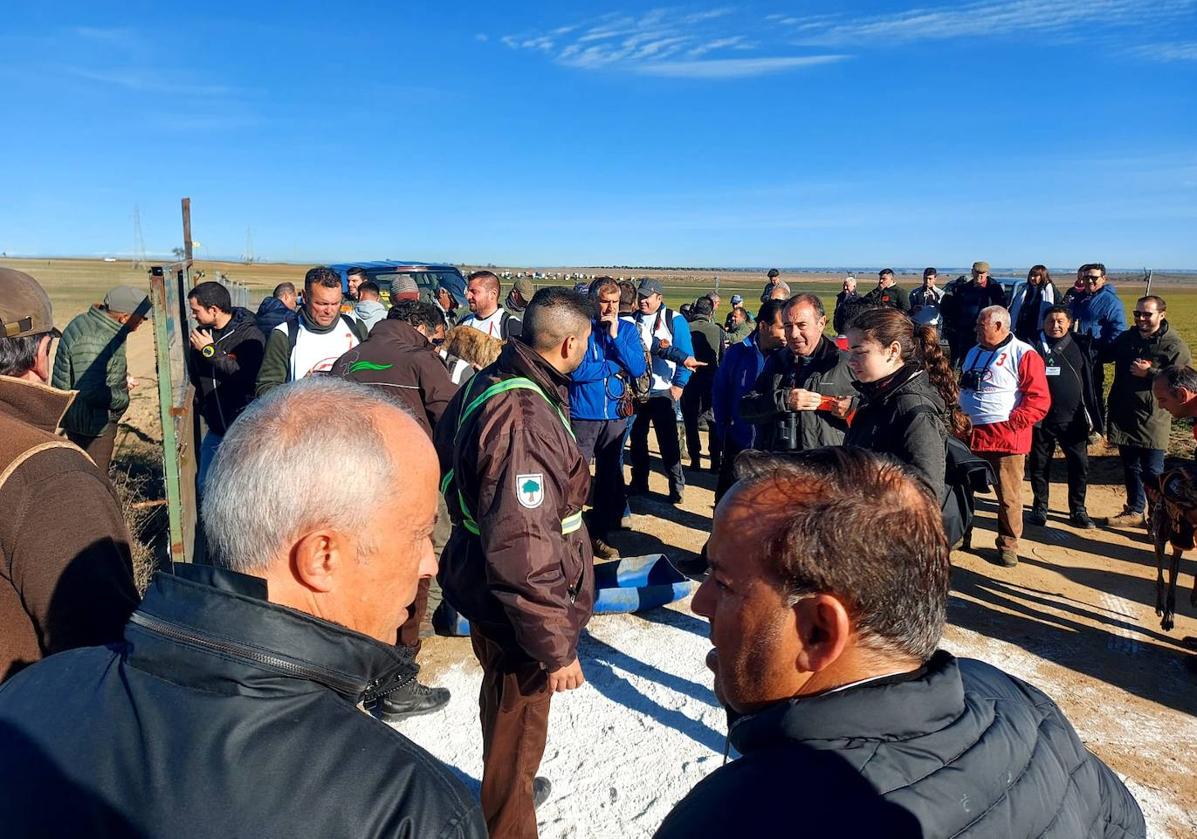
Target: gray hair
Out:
[304,456]
[997,313]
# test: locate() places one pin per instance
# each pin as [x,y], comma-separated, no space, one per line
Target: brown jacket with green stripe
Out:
[518,565]
[66,578]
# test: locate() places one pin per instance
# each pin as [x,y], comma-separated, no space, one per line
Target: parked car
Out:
[1009,285]
[384,272]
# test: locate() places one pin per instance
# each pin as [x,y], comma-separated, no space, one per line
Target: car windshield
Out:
[426,280]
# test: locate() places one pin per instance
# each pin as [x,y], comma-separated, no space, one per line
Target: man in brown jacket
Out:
[399,359]
[518,564]
[66,579]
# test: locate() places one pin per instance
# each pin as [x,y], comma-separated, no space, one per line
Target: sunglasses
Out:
[1145,314]
[1094,279]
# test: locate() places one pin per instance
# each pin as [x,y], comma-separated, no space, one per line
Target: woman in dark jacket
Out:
[1030,303]
[908,393]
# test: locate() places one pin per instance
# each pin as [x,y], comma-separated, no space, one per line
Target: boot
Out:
[411,700]
[540,790]
[1127,518]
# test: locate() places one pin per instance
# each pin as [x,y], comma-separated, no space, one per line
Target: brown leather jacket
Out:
[66,579]
[518,564]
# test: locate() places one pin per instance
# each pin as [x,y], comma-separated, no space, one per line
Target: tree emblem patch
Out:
[529,489]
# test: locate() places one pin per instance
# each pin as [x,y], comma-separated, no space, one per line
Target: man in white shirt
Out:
[486,315]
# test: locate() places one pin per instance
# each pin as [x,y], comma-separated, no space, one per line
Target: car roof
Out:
[402,265]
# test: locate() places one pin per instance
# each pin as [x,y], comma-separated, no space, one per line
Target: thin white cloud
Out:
[1168,52]
[732,68]
[143,81]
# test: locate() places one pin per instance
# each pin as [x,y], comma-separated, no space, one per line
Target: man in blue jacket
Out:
[661,329]
[1098,314]
[827,592]
[742,364]
[614,355]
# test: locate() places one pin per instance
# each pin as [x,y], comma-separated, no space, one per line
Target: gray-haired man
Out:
[245,678]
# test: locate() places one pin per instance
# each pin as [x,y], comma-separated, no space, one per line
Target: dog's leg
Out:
[1170,605]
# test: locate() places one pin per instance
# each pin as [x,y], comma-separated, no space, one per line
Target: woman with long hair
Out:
[1030,302]
[909,399]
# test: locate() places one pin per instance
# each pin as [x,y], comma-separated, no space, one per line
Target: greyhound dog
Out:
[1172,521]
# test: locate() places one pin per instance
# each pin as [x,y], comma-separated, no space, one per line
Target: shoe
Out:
[412,700]
[675,496]
[1037,517]
[1007,559]
[602,550]
[1082,521]
[635,488]
[1127,518]
[540,790]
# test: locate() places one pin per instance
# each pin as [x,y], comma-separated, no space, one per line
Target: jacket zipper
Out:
[372,691]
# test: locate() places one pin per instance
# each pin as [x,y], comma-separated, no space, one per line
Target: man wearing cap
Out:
[660,329]
[961,305]
[519,296]
[67,582]
[403,288]
[91,360]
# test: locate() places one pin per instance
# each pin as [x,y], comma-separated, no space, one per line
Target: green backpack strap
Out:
[472,404]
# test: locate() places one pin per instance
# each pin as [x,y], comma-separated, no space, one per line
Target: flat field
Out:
[1075,618]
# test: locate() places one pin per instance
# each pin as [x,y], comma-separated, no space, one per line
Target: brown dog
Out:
[1173,521]
[473,345]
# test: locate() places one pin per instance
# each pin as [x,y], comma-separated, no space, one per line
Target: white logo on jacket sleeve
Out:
[529,489]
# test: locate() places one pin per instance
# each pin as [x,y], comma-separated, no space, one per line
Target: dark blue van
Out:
[427,276]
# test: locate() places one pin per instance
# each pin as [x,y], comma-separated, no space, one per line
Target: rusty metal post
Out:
[187,230]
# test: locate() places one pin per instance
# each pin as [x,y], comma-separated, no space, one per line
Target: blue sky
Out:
[798,134]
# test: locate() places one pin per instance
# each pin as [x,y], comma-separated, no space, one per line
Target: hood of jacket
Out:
[273,305]
[369,309]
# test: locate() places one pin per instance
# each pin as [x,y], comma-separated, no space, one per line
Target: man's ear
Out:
[318,557]
[823,628]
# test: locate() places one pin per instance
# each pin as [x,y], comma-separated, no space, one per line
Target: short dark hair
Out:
[863,527]
[885,271]
[928,272]
[553,314]
[321,275]
[368,287]
[1178,377]
[18,355]
[769,311]
[704,307]
[1160,305]
[808,299]
[491,278]
[283,288]
[1057,310]
[627,295]
[356,272]
[212,295]
[417,313]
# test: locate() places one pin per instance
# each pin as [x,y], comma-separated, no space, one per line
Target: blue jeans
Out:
[1139,464]
[207,452]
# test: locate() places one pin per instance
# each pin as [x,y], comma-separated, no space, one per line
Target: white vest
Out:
[1000,372]
[316,352]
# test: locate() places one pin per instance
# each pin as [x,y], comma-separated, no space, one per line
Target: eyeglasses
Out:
[1094,278]
[1144,314]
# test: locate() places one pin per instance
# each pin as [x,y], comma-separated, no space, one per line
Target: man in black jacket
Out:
[961,305]
[707,338]
[827,595]
[226,353]
[231,706]
[1073,416]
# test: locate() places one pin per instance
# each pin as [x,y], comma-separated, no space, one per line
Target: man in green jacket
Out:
[1137,424]
[91,360]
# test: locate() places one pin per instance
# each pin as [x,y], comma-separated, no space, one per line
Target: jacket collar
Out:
[892,384]
[307,323]
[218,606]
[398,332]
[39,405]
[893,708]
[518,359]
[101,317]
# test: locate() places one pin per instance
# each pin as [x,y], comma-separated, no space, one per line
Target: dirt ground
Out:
[1075,618]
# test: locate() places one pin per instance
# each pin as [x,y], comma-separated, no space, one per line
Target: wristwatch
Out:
[208,351]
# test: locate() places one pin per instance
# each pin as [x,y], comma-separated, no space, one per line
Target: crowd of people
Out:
[461,455]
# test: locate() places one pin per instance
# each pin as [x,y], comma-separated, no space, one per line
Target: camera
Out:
[787,433]
[970,380]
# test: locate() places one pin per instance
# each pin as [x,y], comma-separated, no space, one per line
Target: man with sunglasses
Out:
[1138,425]
[1098,316]
[68,578]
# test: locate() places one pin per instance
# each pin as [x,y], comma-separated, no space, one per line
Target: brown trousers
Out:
[99,449]
[1009,470]
[514,709]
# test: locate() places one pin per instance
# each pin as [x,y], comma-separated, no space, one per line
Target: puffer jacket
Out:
[224,383]
[596,386]
[220,714]
[1100,316]
[957,748]
[1135,418]
[741,366]
[402,363]
[518,564]
[272,312]
[962,302]
[825,372]
[91,359]
[904,416]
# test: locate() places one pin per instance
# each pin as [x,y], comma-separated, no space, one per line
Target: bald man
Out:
[245,678]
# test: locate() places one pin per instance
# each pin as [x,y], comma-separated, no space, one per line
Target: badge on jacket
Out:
[529,490]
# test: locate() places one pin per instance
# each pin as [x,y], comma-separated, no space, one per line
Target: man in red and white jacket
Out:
[1003,389]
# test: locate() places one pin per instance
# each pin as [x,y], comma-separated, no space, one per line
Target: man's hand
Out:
[675,392]
[1140,367]
[200,339]
[693,364]
[566,678]
[130,382]
[803,400]
[612,326]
